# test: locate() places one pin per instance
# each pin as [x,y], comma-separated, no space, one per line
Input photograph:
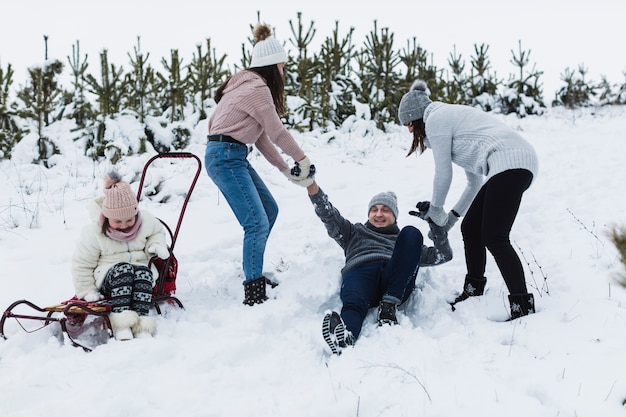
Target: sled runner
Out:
[75,316]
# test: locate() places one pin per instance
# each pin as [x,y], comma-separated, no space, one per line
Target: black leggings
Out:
[130,288]
[488,223]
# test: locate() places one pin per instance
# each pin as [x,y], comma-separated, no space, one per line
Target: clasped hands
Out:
[302,173]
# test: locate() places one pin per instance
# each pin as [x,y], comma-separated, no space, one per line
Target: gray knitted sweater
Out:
[477,142]
[362,245]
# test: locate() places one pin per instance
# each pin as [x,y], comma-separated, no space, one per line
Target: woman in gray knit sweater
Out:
[499,164]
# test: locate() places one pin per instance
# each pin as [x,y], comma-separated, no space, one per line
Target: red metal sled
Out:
[73,313]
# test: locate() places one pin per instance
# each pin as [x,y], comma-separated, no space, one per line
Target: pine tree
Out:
[483,85]
[457,87]
[40,98]
[414,57]
[335,90]
[379,83]
[205,73]
[110,90]
[109,93]
[10,133]
[606,96]
[302,74]
[80,109]
[140,95]
[577,92]
[174,86]
[618,237]
[621,94]
[523,96]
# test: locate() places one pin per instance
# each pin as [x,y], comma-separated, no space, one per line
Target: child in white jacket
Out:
[112,257]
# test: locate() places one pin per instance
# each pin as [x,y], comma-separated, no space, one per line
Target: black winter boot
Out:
[335,333]
[472,287]
[387,313]
[521,305]
[255,291]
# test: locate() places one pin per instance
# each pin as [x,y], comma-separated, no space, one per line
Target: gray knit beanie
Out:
[414,103]
[388,199]
[267,50]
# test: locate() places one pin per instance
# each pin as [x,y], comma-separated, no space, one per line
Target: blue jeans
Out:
[364,286]
[248,197]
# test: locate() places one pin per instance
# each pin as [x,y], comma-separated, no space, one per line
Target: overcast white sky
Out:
[558,33]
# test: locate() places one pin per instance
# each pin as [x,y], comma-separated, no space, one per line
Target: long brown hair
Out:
[419,134]
[274,81]
[276,84]
[219,93]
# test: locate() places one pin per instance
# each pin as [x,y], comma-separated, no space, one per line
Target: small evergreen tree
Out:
[173,96]
[109,92]
[414,57]
[523,94]
[302,74]
[618,237]
[80,109]
[335,89]
[577,92]
[206,72]
[621,94]
[606,96]
[482,84]
[378,79]
[140,95]
[10,132]
[40,98]
[457,87]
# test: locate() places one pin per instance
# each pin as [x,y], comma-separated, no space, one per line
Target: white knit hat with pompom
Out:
[267,50]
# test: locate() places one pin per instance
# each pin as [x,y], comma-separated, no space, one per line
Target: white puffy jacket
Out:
[96,253]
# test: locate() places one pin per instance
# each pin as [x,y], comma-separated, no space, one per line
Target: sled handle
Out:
[174,155]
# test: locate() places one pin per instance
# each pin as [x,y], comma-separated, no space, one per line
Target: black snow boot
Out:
[521,305]
[387,313]
[335,333]
[254,291]
[472,287]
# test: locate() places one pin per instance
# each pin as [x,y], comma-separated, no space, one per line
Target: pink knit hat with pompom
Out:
[120,202]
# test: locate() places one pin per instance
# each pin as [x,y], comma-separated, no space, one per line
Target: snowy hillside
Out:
[218,357]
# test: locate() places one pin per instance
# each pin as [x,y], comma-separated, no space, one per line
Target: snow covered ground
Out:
[218,357]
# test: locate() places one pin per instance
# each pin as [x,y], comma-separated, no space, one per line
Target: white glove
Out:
[287,173]
[437,215]
[159,250]
[303,182]
[93,296]
[302,169]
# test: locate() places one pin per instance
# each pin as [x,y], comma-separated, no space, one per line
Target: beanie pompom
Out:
[111,178]
[419,85]
[261,32]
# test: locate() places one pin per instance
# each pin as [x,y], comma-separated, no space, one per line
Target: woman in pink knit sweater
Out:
[249,105]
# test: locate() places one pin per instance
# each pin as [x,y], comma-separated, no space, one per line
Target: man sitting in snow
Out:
[381,263]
